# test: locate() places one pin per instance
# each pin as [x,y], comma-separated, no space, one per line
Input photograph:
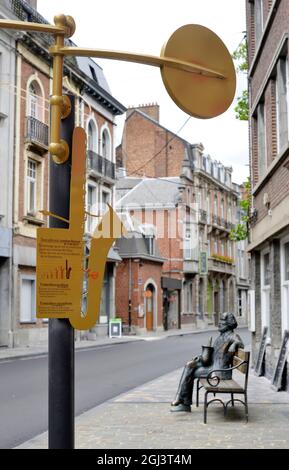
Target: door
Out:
[149,296]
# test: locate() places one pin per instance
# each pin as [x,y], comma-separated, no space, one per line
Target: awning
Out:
[170,283]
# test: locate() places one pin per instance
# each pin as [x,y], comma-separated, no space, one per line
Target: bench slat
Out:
[225,386]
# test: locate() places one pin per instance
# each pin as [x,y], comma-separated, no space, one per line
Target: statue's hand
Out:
[191,364]
[233,348]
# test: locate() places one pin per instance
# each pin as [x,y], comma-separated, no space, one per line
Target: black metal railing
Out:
[37,131]
[100,165]
[203,216]
[222,223]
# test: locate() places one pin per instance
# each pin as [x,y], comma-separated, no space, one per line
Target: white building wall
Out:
[7,100]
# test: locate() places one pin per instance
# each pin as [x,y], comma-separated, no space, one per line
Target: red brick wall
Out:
[277,187]
[141,272]
[26,72]
[279,26]
[149,149]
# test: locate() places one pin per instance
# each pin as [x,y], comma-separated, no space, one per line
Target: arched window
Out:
[216,205]
[106,144]
[35,101]
[92,136]
[222,208]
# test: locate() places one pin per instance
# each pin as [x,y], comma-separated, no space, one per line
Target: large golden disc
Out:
[201,95]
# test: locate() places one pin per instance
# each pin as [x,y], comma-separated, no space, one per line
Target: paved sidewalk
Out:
[141,419]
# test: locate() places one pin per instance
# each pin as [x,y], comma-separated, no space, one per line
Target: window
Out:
[285,285]
[265,290]
[106,151]
[261,140]
[223,248]
[281,104]
[31,187]
[216,205]
[91,207]
[259,20]
[91,137]
[215,246]
[34,101]
[187,244]
[229,213]
[150,243]
[28,302]
[222,209]
[240,303]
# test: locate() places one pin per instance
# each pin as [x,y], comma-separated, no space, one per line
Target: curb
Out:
[22,356]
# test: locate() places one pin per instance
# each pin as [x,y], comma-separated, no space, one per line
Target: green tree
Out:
[240,56]
[241,231]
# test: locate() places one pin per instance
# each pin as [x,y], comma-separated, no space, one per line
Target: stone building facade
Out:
[267,24]
[95,111]
[7,105]
[209,198]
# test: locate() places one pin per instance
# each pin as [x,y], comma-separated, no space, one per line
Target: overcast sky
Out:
[130,25]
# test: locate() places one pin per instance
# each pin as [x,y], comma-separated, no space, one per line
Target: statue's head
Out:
[227,322]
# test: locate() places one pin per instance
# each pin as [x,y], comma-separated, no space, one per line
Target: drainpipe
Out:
[129,295]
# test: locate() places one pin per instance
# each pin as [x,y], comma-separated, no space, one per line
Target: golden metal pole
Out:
[38,27]
[60,106]
[154,61]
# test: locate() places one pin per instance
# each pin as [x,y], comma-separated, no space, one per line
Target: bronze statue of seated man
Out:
[219,356]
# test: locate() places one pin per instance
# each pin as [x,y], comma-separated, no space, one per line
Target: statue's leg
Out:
[183,398]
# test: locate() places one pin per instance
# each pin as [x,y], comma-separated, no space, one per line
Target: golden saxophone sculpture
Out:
[61,259]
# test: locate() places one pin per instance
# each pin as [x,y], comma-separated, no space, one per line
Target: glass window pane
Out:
[267,276]
[286,249]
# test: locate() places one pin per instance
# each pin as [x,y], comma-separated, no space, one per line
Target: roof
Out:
[85,69]
[149,118]
[152,191]
[92,70]
[135,246]
[124,185]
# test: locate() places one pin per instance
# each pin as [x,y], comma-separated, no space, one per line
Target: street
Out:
[101,373]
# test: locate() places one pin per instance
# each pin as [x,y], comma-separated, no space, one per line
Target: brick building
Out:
[268,28]
[209,201]
[7,104]
[154,206]
[95,111]
[138,279]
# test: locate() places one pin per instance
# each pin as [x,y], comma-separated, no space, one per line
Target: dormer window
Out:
[150,244]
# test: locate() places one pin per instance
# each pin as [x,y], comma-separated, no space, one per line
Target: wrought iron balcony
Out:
[203,216]
[221,223]
[100,165]
[37,132]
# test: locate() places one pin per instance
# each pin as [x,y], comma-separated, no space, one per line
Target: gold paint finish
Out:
[200,96]
[61,260]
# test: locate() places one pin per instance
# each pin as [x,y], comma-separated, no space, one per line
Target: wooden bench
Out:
[214,384]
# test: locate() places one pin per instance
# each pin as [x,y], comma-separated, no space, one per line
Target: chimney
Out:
[32,3]
[150,109]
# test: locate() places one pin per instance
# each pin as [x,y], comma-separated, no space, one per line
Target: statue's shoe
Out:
[181,407]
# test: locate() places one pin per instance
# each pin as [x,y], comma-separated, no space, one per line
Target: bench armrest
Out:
[216,378]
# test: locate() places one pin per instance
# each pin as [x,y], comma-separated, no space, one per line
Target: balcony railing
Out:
[37,131]
[222,223]
[100,165]
[203,216]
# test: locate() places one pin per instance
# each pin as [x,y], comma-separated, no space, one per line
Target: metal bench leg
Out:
[246,408]
[232,399]
[205,407]
[197,396]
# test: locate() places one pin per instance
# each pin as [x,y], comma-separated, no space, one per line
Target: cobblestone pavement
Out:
[141,419]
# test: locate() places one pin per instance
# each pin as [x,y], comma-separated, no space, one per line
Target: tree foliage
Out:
[241,231]
[240,56]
